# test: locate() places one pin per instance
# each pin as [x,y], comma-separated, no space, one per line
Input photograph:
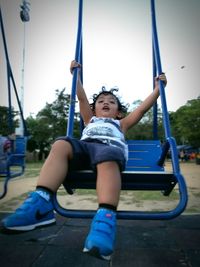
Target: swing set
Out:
[145,166]
[12,164]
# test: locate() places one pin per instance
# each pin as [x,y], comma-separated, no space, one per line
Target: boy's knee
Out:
[62,146]
[109,165]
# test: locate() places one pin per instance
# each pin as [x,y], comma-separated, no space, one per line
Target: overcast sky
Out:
[116,48]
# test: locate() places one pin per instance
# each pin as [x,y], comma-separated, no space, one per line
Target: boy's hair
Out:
[121,107]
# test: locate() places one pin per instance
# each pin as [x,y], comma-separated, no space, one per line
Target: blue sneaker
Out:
[100,240]
[34,212]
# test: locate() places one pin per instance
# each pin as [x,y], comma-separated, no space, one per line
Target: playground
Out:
[155,190]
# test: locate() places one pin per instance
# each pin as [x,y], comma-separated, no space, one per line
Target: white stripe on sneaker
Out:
[32,226]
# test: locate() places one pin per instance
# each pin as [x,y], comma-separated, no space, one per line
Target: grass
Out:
[33,169]
[196,194]
[149,195]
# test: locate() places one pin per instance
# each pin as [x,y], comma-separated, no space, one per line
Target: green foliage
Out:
[144,129]
[50,123]
[185,123]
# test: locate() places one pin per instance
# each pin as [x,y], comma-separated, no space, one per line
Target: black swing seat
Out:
[13,164]
[143,171]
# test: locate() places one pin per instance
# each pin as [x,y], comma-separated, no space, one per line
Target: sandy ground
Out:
[19,187]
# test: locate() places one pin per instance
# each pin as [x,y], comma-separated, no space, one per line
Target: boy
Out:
[103,148]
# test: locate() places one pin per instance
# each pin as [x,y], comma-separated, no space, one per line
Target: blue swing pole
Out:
[158,65]
[155,106]
[159,70]
[163,215]
[81,77]
[78,58]
[70,125]
[170,141]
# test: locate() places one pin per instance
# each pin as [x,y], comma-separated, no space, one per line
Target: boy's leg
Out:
[37,209]
[101,238]
[108,183]
[55,168]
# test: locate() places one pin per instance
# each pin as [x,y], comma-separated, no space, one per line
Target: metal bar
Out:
[155,106]
[10,77]
[10,122]
[166,122]
[159,70]
[18,102]
[127,215]
[70,125]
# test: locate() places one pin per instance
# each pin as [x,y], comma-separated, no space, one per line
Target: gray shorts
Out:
[87,154]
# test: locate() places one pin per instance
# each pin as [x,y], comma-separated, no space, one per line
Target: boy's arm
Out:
[135,116]
[85,109]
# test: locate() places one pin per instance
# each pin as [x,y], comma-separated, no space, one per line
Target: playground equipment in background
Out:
[12,163]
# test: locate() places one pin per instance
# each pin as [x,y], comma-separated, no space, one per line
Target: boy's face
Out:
[106,106]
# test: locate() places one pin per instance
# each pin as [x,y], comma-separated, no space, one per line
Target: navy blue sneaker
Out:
[34,212]
[101,238]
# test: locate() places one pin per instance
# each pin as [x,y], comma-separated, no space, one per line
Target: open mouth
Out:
[106,108]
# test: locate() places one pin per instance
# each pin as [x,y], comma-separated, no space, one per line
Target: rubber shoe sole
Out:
[28,227]
[95,253]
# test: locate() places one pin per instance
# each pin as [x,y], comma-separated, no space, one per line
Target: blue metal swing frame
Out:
[144,170]
[13,164]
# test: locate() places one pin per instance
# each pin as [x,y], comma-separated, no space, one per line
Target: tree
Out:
[186,123]
[144,129]
[50,123]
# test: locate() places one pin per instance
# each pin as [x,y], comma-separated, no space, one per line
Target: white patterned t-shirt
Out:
[106,130]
